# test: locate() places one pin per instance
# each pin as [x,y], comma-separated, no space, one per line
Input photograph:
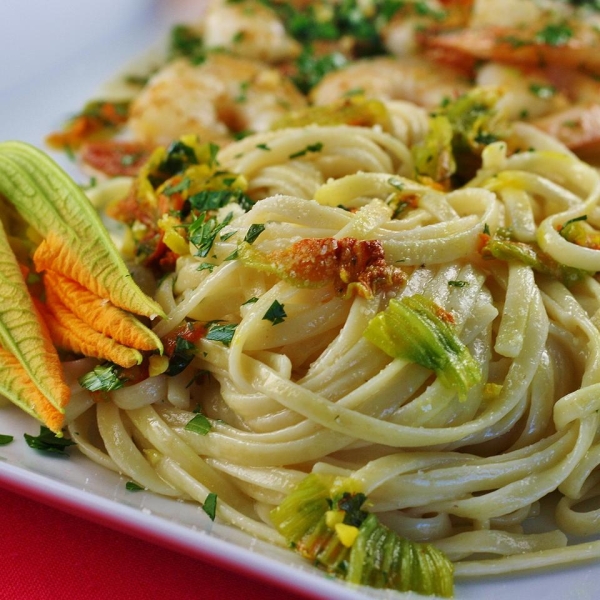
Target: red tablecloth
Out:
[48,554]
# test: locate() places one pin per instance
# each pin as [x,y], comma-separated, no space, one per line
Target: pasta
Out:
[268,314]
[312,394]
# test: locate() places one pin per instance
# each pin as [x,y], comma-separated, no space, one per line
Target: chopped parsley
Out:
[185,42]
[316,147]
[591,4]
[310,69]
[203,232]
[179,157]
[47,441]
[543,91]
[198,424]
[182,186]
[221,333]
[210,505]
[5,439]
[214,199]
[132,486]
[238,37]
[182,356]
[253,232]
[514,41]
[555,34]
[243,95]
[206,266]
[130,158]
[351,505]
[275,313]
[458,283]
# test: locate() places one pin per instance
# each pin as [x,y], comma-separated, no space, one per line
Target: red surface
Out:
[49,554]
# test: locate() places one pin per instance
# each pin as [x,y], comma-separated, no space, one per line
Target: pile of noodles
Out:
[311,394]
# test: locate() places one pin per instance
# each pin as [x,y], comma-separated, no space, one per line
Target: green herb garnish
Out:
[203,231]
[182,356]
[206,266]
[47,441]
[214,199]
[198,424]
[253,232]
[543,91]
[210,505]
[221,333]
[317,147]
[275,313]
[185,42]
[132,486]
[555,34]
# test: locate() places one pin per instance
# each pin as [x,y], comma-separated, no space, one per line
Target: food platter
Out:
[78,486]
[55,57]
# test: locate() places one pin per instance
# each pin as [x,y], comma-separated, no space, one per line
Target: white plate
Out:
[53,57]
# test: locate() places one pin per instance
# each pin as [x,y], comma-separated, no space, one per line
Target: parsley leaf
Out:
[182,356]
[213,199]
[5,439]
[198,424]
[182,186]
[206,266]
[276,313]
[132,486]
[555,34]
[311,69]
[210,505]
[47,441]
[179,157]
[543,91]
[203,231]
[317,147]
[253,232]
[185,42]
[221,333]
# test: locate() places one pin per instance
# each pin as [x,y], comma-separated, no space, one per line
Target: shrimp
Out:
[514,13]
[401,35]
[412,78]
[578,127]
[565,41]
[249,29]
[215,99]
[561,102]
[526,93]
